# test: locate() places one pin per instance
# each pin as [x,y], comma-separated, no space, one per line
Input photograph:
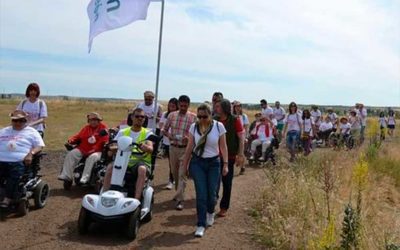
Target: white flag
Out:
[111,14]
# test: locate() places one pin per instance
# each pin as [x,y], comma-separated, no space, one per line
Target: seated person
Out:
[325,129]
[263,134]
[18,144]
[90,145]
[255,122]
[344,127]
[139,165]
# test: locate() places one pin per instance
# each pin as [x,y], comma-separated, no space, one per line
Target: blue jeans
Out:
[292,140]
[13,172]
[205,174]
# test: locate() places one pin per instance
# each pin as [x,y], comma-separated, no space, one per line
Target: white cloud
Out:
[295,49]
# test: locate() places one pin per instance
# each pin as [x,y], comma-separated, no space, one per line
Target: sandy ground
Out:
[55,226]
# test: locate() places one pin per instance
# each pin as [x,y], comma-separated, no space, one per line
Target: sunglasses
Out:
[19,121]
[139,116]
[202,116]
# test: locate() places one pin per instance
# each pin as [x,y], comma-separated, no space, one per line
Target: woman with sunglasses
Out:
[292,130]
[18,144]
[201,159]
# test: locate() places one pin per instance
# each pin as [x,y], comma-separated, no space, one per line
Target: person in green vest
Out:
[139,165]
[235,135]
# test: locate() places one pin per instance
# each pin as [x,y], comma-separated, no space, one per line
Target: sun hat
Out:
[18,114]
[94,115]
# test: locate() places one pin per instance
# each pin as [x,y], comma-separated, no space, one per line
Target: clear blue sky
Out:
[308,51]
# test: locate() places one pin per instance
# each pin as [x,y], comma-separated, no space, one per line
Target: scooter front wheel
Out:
[133,224]
[83,221]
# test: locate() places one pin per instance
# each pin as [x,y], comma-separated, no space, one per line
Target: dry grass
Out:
[302,206]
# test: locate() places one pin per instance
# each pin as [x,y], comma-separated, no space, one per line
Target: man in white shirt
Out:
[362,113]
[280,115]
[316,115]
[266,110]
[18,144]
[148,108]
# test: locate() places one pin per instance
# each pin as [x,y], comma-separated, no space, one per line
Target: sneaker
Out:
[169,186]
[210,219]
[5,203]
[242,170]
[179,205]
[261,158]
[222,212]
[251,158]
[84,181]
[199,232]
[63,178]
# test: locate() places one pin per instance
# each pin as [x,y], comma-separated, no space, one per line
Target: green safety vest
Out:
[134,159]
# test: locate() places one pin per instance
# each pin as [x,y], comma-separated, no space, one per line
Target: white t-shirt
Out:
[163,120]
[355,122]
[316,114]
[35,111]
[325,126]
[268,112]
[391,120]
[362,115]
[293,121]
[308,125]
[382,122]
[344,128]
[261,133]
[333,116]
[211,148]
[15,145]
[244,119]
[149,112]
[279,114]
[133,135]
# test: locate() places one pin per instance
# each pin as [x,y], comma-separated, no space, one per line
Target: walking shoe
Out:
[83,181]
[5,203]
[242,171]
[210,219]
[199,232]
[168,186]
[222,212]
[261,158]
[179,205]
[251,158]
[63,178]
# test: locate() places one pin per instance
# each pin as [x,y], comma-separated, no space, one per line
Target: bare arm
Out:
[188,152]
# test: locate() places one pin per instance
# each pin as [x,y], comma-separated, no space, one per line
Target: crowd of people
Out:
[205,145]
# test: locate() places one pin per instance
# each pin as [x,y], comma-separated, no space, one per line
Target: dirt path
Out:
[55,226]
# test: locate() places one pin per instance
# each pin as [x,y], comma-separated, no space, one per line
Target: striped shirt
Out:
[178,126]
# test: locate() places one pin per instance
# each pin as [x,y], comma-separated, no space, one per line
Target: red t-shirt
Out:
[238,128]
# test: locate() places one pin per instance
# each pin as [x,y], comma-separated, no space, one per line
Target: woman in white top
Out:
[172,106]
[325,129]
[391,123]
[202,160]
[308,131]
[292,130]
[34,107]
[316,115]
[382,124]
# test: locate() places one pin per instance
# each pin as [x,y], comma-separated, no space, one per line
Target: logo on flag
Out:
[112,14]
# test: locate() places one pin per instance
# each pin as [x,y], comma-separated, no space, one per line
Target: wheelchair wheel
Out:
[23,207]
[333,140]
[350,142]
[41,194]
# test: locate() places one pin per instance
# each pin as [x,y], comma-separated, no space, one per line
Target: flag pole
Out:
[158,63]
